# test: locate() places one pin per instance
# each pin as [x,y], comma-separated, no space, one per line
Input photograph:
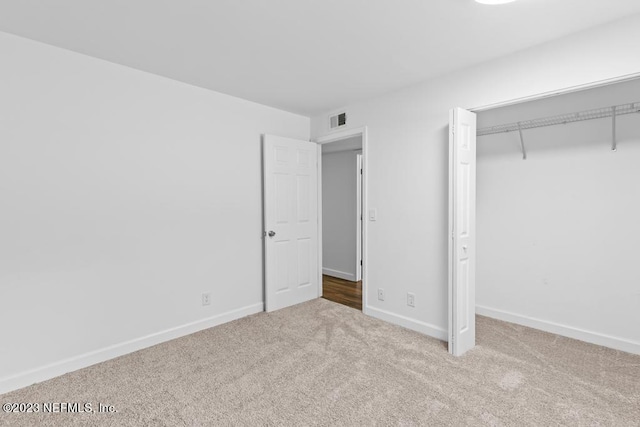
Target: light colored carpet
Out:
[321,363]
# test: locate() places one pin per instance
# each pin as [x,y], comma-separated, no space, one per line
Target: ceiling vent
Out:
[337,121]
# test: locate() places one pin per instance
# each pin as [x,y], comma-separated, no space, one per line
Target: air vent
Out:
[338,121]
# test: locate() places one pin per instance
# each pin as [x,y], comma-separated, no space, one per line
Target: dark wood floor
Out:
[342,291]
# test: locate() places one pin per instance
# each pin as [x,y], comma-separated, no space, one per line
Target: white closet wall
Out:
[558,233]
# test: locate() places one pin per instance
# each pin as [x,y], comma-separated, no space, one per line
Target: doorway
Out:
[292,234]
[341,166]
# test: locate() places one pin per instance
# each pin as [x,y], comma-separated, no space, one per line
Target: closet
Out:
[558,214]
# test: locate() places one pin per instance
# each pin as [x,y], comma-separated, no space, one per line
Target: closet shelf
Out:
[562,119]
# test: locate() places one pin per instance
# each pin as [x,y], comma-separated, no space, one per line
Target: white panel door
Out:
[462,228]
[291,221]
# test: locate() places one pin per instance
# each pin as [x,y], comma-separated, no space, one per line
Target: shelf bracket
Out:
[614,143]
[524,151]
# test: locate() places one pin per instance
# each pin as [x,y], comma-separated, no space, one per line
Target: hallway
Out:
[342,291]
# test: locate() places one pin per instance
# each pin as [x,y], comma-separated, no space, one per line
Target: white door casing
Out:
[462,230]
[291,221]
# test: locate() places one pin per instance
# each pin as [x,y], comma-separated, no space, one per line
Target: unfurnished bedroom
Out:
[297,213]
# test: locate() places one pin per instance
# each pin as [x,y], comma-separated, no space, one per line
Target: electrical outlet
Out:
[381,294]
[411,299]
[206,299]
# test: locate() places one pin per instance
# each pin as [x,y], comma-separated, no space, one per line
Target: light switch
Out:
[373,214]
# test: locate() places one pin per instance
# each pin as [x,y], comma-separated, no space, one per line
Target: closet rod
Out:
[562,119]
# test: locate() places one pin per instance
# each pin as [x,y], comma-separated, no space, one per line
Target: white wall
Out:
[557,233]
[123,197]
[407,159]
[339,207]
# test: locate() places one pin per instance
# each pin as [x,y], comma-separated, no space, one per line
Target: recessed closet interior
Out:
[558,233]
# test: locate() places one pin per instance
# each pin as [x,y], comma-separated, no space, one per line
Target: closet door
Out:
[462,231]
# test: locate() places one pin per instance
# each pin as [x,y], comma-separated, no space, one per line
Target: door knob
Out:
[272,233]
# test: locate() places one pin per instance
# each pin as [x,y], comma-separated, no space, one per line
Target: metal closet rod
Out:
[562,119]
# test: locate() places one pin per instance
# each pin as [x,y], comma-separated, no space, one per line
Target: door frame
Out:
[333,137]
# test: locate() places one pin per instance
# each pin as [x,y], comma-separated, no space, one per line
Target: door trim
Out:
[325,139]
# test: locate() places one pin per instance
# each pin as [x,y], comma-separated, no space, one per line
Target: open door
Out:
[291,221]
[462,229]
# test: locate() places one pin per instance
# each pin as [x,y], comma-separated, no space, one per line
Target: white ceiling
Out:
[304,56]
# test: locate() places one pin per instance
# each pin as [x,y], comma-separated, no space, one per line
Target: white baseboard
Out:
[556,328]
[55,369]
[407,322]
[339,274]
